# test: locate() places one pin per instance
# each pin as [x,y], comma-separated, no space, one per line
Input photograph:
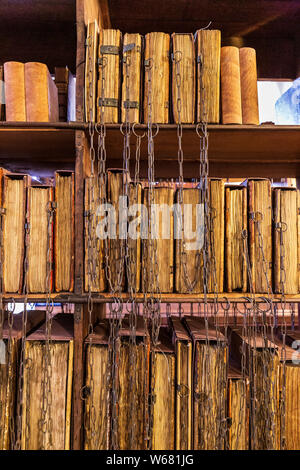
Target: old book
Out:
[235,227]
[133,267]
[14,204]
[183,354]
[238,408]
[217,203]
[39,198]
[260,233]
[262,366]
[140,373]
[158,246]
[184,84]
[291,424]
[208,77]
[64,231]
[94,264]
[163,386]
[231,86]
[90,87]
[209,384]
[97,403]
[109,77]
[2,94]
[10,344]
[60,387]
[188,258]
[117,185]
[249,85]
[285,233]
[65,82]
[14,78]
[41,94]
[131,84]
[156,88]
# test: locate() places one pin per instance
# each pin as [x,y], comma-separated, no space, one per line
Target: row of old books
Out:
[37,221]
[167,79]
[209,389]
[250,226]
[30,94]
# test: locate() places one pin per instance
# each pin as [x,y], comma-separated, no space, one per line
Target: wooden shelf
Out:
[234,150]
[37,148]
[105,297]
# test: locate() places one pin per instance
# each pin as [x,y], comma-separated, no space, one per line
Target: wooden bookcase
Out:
[41,148]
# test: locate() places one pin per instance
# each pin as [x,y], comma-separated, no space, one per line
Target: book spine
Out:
[156,88]
[131,85]
[41,94]
[14,83]
[249,85]
[183,78]
[217,202]
[231,86]
[208,77]
[90,93]
[109,76]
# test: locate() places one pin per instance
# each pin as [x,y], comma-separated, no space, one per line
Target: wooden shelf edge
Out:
[105,297]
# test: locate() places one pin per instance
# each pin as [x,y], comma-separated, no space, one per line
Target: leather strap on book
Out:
[113,50]
[108,102]
[129,47]
[131,104]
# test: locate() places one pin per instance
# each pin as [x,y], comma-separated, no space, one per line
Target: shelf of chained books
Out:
[149,227]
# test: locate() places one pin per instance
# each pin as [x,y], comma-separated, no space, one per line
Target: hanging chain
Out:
[282,227]
[46,421]
[20,394]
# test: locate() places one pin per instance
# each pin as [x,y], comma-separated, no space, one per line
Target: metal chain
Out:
[46,421]
[20,394]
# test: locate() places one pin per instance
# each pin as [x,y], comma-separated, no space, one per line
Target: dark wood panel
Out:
[38,152]
[42,31]
[234,151]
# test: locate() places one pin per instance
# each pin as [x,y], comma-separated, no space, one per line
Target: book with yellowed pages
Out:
[184,377]
[163,386]
[14,206]
[238,408]
[64,231]
[209,384]
[10,344]
[41,237]
[35,434]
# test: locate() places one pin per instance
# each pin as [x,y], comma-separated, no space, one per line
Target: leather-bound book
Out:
[41,94]
[249,85]
[235,227]
[238,408]
[64,231]
[58,393]
[231,86]
[285,237]
[209,384]
[158,246]
[208,75]
[184,376]
[94,262]
[2,94]
[14,83]
[163,386]
[10,349]
[131,84]
[140,372]
[65,82]
[109,75]
[184,84]
[40,241]
[260,232]
[14,205]
[217,202]
[90,86]
[157,71]
[97,403]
